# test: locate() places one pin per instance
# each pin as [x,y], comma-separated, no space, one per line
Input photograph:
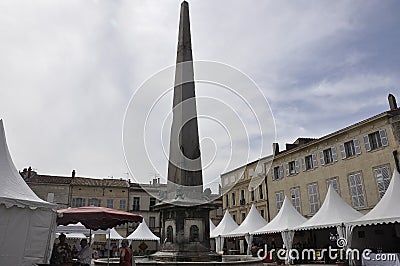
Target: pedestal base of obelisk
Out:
[185,234]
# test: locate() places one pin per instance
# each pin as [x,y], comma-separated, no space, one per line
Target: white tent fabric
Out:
[27,223]
[212,226]
[143,232]
[387,210]
[252,223]
[113,235]
[333,212]
[225,226]
[286,219]
[73,228]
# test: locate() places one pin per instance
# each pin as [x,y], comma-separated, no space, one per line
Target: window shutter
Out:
[303,163]
[287,169]
[314,158]
[334,154]
[384,138]
[321,157]
[357,146]
[296,164]
[272,174]
[281,171]
[342,151]
[366,142]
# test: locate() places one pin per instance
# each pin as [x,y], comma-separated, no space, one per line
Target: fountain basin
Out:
[227,260]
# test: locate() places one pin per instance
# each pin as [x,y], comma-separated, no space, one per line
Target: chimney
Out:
[392,102]
[29,172]
[275,148]
[73,173]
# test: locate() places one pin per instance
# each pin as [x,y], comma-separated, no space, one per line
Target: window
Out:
[243,216]
[309,162]
[262,213]
[194,234]
[382,179]
[136,204]
[152,201]
[242,198]
[295,195]
[110,203]
[350,148]
[233,199]
[376,140]
[357,190]
[313,197]
[78,202]
[170,234]
[328,156]
[226,181]
[50,197]
[260,192]
[152,222]
[94,202]
[334,183]
[277,172]
[122,204]
[252,194]
[227,200]
[250,172]
[292,167]
[279,200]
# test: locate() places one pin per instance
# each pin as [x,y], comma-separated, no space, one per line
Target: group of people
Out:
[62,253]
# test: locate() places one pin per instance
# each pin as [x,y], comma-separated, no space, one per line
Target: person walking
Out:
[125,258]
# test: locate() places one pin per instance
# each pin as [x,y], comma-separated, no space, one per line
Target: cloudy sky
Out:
[69,68]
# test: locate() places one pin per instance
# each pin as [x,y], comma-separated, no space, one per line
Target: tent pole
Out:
[109,244]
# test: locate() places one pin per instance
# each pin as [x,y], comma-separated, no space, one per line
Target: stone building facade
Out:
[120,194]
[357,161]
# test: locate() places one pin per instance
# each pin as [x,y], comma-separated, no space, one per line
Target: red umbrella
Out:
[96,217]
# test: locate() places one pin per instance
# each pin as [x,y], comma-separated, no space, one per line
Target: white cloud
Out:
[68,69]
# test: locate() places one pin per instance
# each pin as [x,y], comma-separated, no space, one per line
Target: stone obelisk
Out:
[184,213]
[185,180]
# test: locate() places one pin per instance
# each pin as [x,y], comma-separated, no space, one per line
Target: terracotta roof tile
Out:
[48,179]
[82,181]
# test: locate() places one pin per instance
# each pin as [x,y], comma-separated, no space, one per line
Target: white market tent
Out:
[286,219]
[252,223]
[334,212]
[72,228]
[27,222]
[225,226]
[387,210]
[143,232]
[113,235]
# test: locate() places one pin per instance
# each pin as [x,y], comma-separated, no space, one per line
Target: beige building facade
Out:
[114,193]
[357,161]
